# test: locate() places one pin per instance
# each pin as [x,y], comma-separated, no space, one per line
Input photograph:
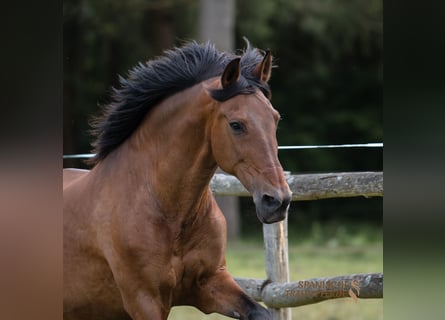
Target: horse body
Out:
[142,231]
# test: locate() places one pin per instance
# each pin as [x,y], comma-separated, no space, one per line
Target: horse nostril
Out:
[270,202]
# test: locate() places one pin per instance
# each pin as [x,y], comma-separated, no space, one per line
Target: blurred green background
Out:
[327,87]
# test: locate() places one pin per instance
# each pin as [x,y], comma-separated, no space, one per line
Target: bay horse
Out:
[142,231]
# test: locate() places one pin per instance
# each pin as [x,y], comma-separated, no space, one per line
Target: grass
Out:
[309,260]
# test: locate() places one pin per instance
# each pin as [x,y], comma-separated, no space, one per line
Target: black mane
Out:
[147,84]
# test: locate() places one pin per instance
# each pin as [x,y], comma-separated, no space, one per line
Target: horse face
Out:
[244,144]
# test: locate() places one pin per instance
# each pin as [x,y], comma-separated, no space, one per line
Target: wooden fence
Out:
[277,292]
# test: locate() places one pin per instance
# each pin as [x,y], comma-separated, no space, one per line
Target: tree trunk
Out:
[216,24]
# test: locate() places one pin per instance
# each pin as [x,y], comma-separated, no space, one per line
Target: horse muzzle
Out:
[272,207]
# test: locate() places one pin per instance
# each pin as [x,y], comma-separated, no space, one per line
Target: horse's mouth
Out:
[271,209]
[275,216]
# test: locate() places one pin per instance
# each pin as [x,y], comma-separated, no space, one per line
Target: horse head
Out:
[243,137]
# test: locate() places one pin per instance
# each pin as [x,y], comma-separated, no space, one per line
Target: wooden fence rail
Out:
[282,295]
[277,292]
[312,186]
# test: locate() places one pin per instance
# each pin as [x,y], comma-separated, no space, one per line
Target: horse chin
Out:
[269,218]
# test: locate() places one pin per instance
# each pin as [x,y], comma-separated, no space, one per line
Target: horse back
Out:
[70,175]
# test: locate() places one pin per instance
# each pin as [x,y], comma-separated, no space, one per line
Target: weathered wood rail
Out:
[277,292]
[312,186]
[303,292]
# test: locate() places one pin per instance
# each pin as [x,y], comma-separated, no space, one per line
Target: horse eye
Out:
[237,127]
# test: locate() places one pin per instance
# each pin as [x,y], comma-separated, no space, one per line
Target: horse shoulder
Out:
[211,232]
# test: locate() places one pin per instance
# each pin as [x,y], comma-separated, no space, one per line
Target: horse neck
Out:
[169,156]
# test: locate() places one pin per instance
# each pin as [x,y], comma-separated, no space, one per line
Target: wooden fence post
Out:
[277,260]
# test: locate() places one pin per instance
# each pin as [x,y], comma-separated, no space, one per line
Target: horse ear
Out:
[231,73]
[263,70]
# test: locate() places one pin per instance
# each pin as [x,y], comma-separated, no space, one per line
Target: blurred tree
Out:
[217,23]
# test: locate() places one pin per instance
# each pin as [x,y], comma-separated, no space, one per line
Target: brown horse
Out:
[142,231]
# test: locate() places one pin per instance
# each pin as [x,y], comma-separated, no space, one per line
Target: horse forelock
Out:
[147,84]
